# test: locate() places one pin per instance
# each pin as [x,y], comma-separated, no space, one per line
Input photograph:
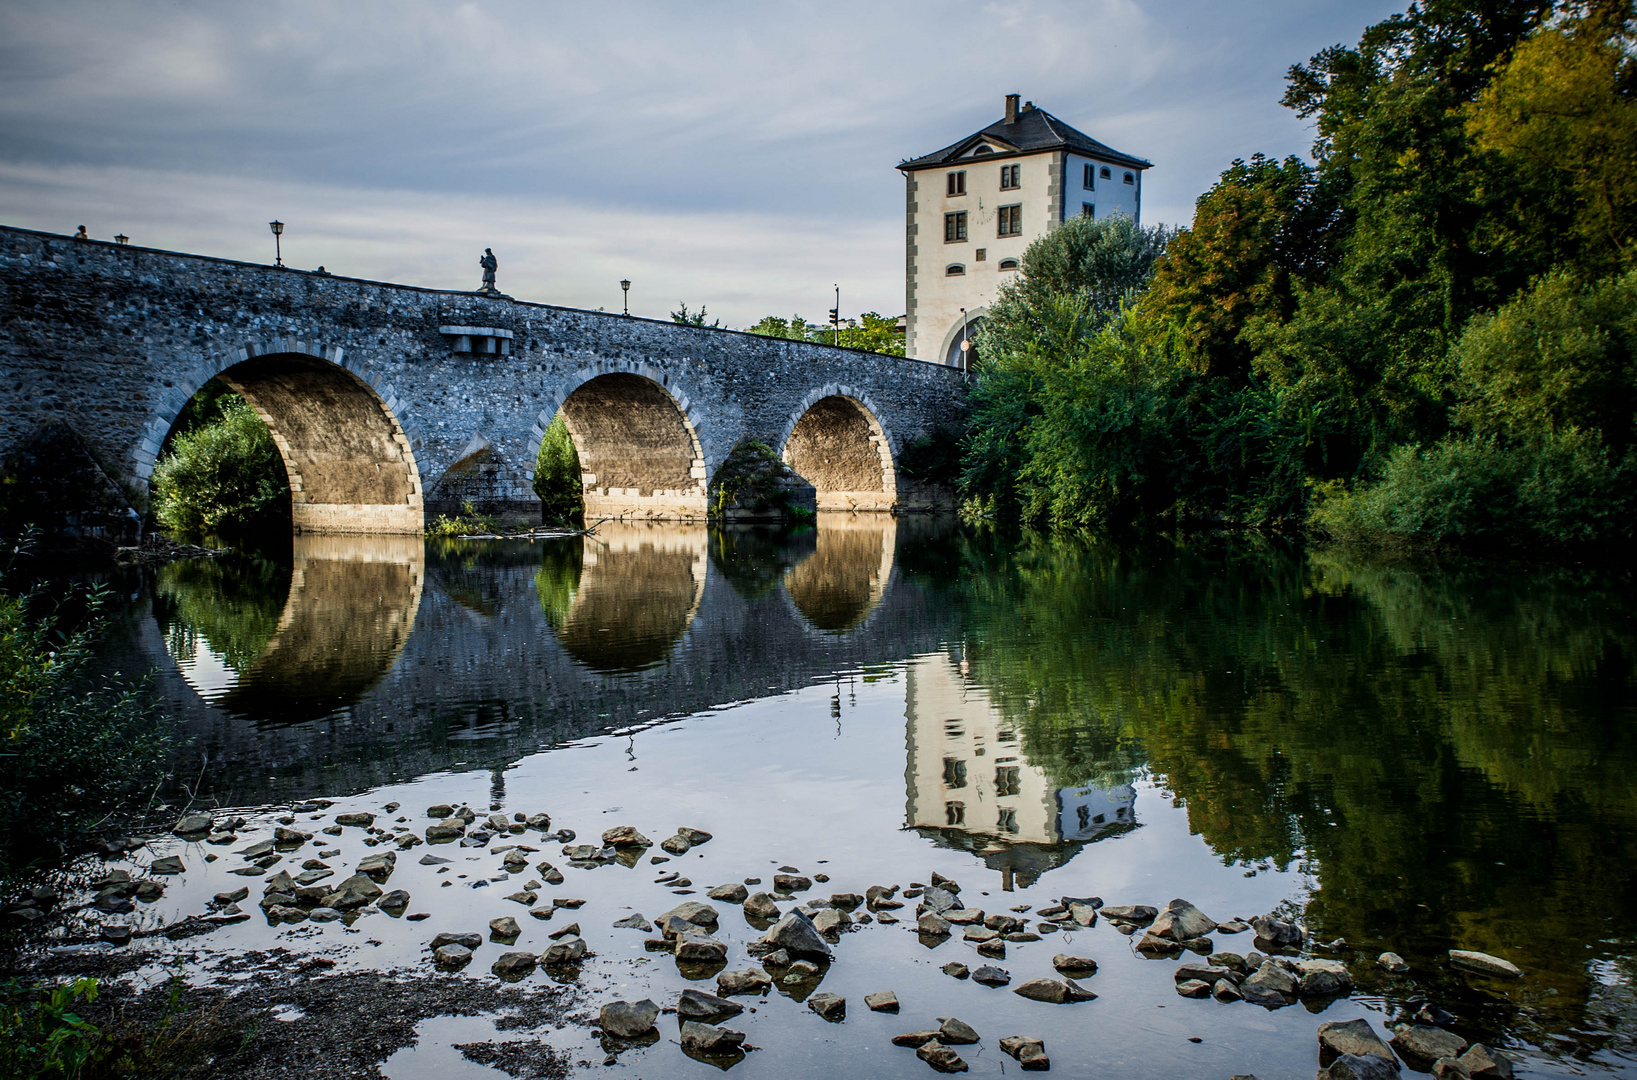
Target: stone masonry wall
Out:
[112,341]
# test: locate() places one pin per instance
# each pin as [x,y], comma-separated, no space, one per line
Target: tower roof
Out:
[1033,131]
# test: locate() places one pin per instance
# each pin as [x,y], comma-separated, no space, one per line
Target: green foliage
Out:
[874,332]
[1423,285]
[43,1038]
[794,328]
[1561,489]
[76,746]
[1565,105]
[1262,230]
[1559,356]
[557,475]
[225,475]
[470,521]
[693,318]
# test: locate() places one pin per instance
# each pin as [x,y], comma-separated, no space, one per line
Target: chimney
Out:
[1011,107]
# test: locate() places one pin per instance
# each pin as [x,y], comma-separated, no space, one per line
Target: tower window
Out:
[957,182]
[1009,177]
[1130,178]
[1088,177]
[1105,173]
[1010,219]
[954,270]
[1088,210]
[955,227]
[1008,264]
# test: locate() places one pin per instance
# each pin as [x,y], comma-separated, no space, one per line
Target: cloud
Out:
[739,154]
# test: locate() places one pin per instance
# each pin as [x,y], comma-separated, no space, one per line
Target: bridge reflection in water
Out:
[839,584]
[969,786]
[427,654]
[621,599]
[348,606]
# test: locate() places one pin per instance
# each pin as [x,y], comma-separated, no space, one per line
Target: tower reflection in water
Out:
[969,785]
[289,644]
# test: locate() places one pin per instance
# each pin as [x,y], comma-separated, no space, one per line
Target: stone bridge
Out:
[389,402]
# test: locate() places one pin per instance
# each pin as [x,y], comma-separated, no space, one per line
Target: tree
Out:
[794,328]
[557,474]
[1264,228]
[223,476]
[1565,104]
[874,332]
[693,318]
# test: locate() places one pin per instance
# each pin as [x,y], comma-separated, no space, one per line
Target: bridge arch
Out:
[339,428]
[638,440]
[836,442]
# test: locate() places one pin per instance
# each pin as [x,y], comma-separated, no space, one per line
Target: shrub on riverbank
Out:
[1383,328]
[224,475]
[76,747]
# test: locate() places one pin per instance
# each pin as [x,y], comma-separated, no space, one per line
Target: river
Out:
[1409,756]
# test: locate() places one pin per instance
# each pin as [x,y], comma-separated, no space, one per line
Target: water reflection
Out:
[291,644]
[839,584]
[970,785]
[621,599]
[1445,752]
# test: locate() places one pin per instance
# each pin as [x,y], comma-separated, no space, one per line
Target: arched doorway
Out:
[838,446]
[639,455]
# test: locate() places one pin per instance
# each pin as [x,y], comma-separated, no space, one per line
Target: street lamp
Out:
[278,231]
[625,284]
[121,239]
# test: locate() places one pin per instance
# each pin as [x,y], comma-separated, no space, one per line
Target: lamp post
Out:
[625,286]
[278,251]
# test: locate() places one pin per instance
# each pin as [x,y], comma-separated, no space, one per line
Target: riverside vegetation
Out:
[1427,335]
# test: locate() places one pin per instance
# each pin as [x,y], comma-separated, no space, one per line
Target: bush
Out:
[1559,355]
[224,476]
[1565,489]
[557,475]
[76,746]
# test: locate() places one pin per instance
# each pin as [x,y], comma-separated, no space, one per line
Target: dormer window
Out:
[1130,178]
[954,270]
[985,149]
[1106,175]
[957,183]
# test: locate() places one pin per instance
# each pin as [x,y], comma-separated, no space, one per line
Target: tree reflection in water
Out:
[347,608]
[1446,750]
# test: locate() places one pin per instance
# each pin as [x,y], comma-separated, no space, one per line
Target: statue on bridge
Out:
[490,264]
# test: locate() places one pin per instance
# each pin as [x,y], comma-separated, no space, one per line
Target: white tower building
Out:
[971,208]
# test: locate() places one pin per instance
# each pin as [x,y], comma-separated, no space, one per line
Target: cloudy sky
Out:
[739,155]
